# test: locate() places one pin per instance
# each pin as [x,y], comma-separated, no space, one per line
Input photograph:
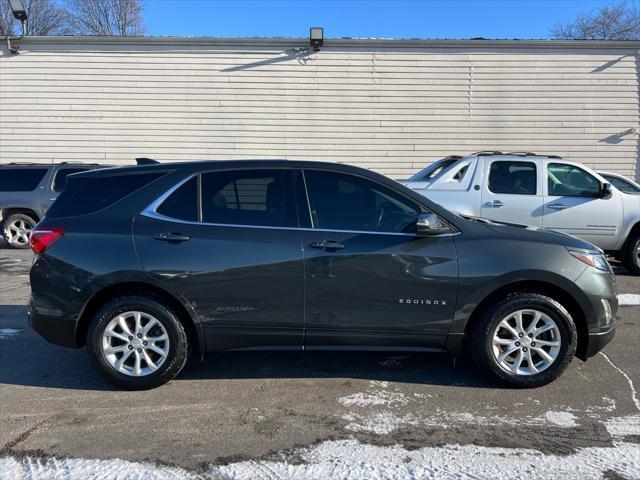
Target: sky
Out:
[363,18]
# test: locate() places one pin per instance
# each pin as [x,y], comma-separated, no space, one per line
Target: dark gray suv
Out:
[27,190]
[145,264]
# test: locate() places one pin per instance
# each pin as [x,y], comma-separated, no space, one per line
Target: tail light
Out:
[43,237]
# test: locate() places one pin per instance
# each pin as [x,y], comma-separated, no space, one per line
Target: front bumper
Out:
[597,341]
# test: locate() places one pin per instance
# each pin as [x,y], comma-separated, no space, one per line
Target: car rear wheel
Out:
[16,230]
[632,254]
[137,342]
[526,340]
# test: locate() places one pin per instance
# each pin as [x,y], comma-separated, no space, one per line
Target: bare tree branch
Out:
[106,17]
[617,22]
[46,17]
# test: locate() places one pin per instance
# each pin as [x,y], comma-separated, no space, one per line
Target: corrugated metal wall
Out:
[391,108]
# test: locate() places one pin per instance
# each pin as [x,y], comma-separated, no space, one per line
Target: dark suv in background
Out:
[144,264]
[27,190]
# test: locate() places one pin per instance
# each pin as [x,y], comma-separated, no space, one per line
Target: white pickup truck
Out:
[541,191]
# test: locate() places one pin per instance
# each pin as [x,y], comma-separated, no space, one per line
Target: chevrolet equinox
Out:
[145,264]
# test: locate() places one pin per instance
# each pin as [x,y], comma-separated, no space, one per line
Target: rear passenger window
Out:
[183,203]
[20,179]
[95,193]
[260,198]
[60,180]
[513,177]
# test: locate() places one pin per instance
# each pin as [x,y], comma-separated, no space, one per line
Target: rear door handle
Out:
[329,245]
[494,204]
[557,206]
[171,237]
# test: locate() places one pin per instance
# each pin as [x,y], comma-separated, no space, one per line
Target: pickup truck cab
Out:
[538,190]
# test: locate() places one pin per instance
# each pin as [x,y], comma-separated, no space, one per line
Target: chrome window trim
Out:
[151,212]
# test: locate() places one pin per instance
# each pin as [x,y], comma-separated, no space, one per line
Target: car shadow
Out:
[28,360]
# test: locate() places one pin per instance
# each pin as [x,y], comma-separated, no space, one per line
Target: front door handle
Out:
[171,237]
[494,204]
[557,206]
[328,245]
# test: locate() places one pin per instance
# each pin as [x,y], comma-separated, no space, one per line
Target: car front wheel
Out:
[137,342]
[526,340]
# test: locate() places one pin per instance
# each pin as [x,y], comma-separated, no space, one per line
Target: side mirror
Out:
[430,224]
[606,191]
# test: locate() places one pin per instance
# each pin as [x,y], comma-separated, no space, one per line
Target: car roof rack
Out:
[146,161]
[487,152]
[519,154]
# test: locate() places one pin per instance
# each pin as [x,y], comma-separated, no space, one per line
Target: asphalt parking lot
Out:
[240,406]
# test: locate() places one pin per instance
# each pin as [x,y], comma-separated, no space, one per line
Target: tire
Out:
[16,229]
[632,254]
[106,332]
[489,327]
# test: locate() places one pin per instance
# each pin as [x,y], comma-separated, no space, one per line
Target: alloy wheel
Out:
[18,232]
[526,342]
[135,343]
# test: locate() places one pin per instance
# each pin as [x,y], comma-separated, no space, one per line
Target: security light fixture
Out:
[19,12]
[316,38]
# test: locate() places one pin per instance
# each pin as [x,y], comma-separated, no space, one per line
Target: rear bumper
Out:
[55,329]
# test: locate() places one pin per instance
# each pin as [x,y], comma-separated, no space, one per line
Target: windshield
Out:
[621,184]
[432,170]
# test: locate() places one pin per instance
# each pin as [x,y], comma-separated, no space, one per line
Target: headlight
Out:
[593,259]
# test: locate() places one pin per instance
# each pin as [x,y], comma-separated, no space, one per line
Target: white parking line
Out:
[629,299]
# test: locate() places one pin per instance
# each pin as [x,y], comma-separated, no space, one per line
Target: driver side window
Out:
[347,202]
[567,180]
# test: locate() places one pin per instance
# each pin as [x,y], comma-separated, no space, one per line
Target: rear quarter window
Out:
[90,194]
[20,179]
[60,180]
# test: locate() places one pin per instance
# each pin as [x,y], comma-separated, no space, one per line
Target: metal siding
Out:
[391,109]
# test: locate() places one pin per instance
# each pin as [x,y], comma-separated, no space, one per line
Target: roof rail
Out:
[146,161]
[519,154]
[531,154]
[487,152]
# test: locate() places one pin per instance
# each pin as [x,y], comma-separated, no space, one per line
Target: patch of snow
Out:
[75,469]
[9,332]
[362,399]
[351,460]
[561,419]
[628,299]
[623,426]
[382,423]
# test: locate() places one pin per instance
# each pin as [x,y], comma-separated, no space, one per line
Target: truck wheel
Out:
[526,340]
[632,254]
[16,229]
[137,342]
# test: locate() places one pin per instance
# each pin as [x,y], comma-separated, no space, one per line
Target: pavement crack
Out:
[21,437]
[634,393]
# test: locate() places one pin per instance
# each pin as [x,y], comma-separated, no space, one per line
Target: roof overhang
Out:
[328,43]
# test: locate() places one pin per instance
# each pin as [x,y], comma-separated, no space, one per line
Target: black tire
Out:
[484,329]
[632,254]
[178,351]
[8,225]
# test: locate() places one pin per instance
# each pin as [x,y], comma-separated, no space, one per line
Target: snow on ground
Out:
[351,460]
[629,299]
[9,332]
